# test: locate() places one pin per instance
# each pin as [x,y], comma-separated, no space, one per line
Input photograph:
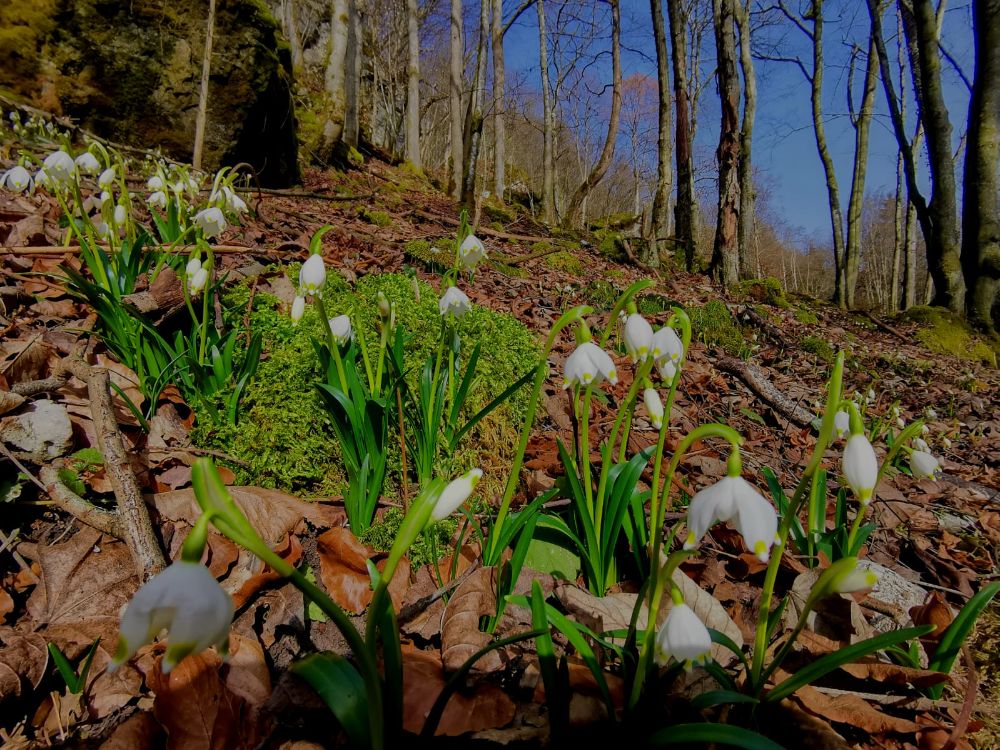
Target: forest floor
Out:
[758,364]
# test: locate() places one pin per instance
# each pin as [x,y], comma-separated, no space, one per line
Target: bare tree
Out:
[336,80]
[499,92]
[290,23]
[352,77]
[725,254]
[981,188]
[685,211]
[749,262]
[661,196]
[473,130]
[597,172]
[413,85]
[206,69]
[548,126]
[455,99]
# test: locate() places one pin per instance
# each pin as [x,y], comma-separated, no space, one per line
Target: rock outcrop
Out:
[130,71]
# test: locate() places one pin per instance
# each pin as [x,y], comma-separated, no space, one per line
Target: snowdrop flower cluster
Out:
[734,499]
[196,275]
[226,198]
[59,167]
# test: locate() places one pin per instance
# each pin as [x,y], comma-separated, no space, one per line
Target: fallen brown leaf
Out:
[847,708]
[23,659]
[460,633]
[344,570]
[139,730]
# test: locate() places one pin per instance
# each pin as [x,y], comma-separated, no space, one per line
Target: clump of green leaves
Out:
[806,316]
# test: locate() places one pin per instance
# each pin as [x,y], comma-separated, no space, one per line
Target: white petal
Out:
[667,344]
[602,361]
[454,301]
[842,423]
[638,337]
[312,277]
[716,502]
[456,493]
[860,467]
[298,309]
[580,369]
[757,523]
[654,406]
[683,636]
[341,328]
[924,465]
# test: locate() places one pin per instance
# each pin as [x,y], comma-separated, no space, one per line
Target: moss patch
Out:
[284,435]
[819,347]
[601,295]
[611,245]
[713,325]
[945,332]
[561,261]
[437,256]
[430,546]
[806,316]
[769,291]
[378,218]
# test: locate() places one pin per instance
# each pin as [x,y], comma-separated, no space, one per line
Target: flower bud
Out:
[107,178]
[198,281]
[654,406]
[298,308]
[841,423]
[120,215]
[638,337]
[923,465]
[340,327]
[860,467]
[312,277]
[457,492]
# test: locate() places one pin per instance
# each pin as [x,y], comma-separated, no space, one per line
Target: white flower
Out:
[946,443]
[312,277]
[16,179]
[236,204]
[667,369]
[931,413]
[59,166]
[860,467]
[667,345]
[589,365]
[298,308]
[454,301]
[87,163]
[106,197]
[42,178]
[870,395]
[900,423]
[211,221]
[638,337]
[921,445]
[471,251]
[192,267]
[198,281]
[157,200]
[924,465]
[102,229]
[187,601]
[120,215]
[925,430]
[340,327]
[654,406]
[856,578]
[107,177]
[682,636]
[90,203]
[841,423]
[155,182]
[456,493]
[734,499]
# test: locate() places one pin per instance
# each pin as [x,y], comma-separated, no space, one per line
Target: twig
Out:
[758,382]
[965,716]
[105,521]
[409,612]
[8,541]
[887,328]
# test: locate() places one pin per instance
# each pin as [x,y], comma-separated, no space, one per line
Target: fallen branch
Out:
[482,230]
[758,382]
[105,521]
[888,328]
[75,249]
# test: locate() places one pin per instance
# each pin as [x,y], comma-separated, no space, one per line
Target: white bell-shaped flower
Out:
[854,579]
[312,277]
[102,229]
[682,636]
[340,327]
[667,369]
[298,308]
[157,200]
[192,267]
[42,179]
[931,412]
[667,345]
[454,301]
[920,444]
[16,179]
[589,365]
[59,166]
[198,281]
[185,600]
[471,251]
[638,337]
[235,203]
[841,423]
[733,499]
[87,163]
[155,183]
[654,407]
[924,465]
[860,467]
[106,178]
[120,215]
[457,492]
[211,220]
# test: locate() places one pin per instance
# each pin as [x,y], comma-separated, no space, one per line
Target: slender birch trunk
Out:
[499,106]
[455,99]
[548,123]
[413,86]
[749,263]
[725,254]
[206,70]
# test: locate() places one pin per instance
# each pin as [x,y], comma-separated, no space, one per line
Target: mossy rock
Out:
[768,291]
[131,72]
[819,347]
[378,218]
[438,256]
[944,332]
[498,214]
[806,316]
[563,260]
[284,435]
[713,325]
[611,245]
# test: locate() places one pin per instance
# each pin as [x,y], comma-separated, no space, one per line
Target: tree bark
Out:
[336,81]
[473,131]
[571,219]
[291,23]
[413,85]
[499,113]
[862,126]
[981,188]
[352,78]
[455,99]
[684,212]
[725,254]
[898,238]
[749,263]
[548,123]
[661,197]
[206,70]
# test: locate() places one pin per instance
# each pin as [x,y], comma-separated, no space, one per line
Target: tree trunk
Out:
[749,263]
[206,70]
[862,127]
[898,238]
[291,23]
[352,85]
[473,132]
[725,254]
[499,91]
[943,257]
[661,196]
[548,123]
[571,219]
[981,188]
[336,81]
[455,99]
[413,85]
[684,212]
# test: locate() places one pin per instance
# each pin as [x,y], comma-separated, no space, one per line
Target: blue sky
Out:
[784,144]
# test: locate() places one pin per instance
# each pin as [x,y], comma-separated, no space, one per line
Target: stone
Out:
[43,430]
[131,72]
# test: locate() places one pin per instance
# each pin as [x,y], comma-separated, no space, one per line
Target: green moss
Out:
[284,436]
[438,256]
[768,291]
[561,261]
[355,159]
[378,218]
[497,213]
[601,294]
[819,347]
[945,332]
[806,316]
[713,325]
[611,246]
[651,304]
[429,547]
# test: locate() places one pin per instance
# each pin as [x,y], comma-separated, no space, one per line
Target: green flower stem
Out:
[623,301]
[380,367]
[206,293]
[833,398]
[359,330]
[324,322]
[623,445]
[492,553]
[585,473]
